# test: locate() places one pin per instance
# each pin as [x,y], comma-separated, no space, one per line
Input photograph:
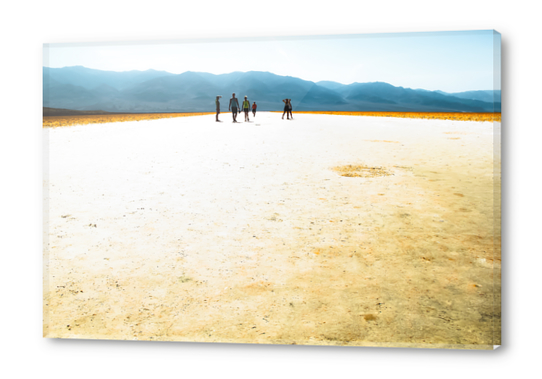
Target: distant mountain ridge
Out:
[81,88]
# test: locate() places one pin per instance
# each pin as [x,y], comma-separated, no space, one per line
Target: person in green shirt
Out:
[246,108]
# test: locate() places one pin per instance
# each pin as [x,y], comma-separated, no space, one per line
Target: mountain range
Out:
[81,88]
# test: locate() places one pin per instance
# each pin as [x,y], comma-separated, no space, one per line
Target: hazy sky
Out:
[447,61]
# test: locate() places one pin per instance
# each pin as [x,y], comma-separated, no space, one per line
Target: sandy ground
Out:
[191,230]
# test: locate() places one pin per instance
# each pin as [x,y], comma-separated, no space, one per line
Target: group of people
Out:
[236,109]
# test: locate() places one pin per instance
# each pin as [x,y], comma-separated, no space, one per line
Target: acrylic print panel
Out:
[349,194]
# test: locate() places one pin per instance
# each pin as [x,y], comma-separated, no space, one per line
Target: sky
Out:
[446,61]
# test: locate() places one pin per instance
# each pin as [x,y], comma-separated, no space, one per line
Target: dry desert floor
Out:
[323,230]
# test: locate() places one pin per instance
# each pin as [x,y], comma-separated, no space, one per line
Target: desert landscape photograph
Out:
[326,190]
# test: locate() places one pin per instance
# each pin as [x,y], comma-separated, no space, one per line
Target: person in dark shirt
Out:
[234,106]
[217,102]
[290,109]
[286,109]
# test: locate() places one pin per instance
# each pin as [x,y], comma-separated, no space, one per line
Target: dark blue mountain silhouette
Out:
[81,88]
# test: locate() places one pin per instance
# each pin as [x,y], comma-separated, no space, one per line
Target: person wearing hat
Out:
[234,105]
[246,108]
[217,101]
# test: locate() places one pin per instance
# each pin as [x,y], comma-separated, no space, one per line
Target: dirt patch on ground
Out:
[375,140]
[361,171]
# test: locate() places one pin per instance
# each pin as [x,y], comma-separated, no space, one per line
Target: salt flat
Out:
[186,229]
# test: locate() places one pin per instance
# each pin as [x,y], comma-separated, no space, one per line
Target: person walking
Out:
[234,106]
[290,109]
[246,108]
[217,102]
[254,106]
[286,109]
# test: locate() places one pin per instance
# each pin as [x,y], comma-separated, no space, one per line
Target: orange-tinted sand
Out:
[55,121]
[425,115]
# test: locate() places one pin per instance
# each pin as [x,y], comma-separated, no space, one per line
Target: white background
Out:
[27,25]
